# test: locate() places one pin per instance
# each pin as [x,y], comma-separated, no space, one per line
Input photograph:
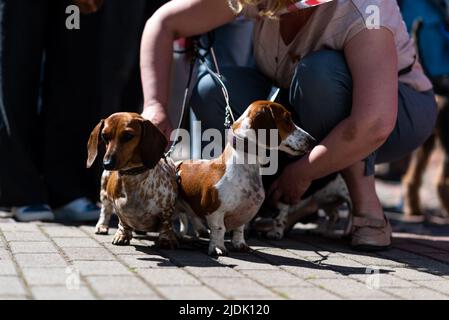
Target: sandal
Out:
[368,234]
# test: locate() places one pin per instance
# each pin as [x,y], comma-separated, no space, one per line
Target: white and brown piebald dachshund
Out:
[138,184]
[228,191]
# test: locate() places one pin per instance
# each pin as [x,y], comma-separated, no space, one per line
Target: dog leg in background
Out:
[279,223]
[107,209]
[238,239]
[443,135]
[167,237]
[217,233]
[412,180]
[187,214]
[123,235]
[200,230]
[183,224]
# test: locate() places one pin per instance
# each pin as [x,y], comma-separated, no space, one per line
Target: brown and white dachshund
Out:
[138,183]
[228,191]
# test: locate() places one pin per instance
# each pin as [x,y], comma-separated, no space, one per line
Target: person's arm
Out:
[176,19]
[372,60]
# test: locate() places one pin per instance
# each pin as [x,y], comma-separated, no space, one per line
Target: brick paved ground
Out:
[47,261]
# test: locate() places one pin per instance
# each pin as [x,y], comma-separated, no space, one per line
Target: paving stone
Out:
[310,255]
[417,294]
[146,261]
[417,248]
[302,293]
[296,244]
[103,239]
[90,230]
[46,260]
[387,281]
[45,276]
[32,247]
[238,289]
[10,285]
[189,293]
[207,272]
[413,274]
[429,266]
[64,232]
[109,286]
[76,243]
[61,293]
[341,263]
[282,257]
[442,257]
[374,261]
[92,254]
[21,227]
[7,268]
[4,254]
[314,272]
[441,286]
[101,268]
[398,255]
[14,297]
[122,249]
[247,262]
[189,258]
[24,236]
[274,278]
[168,277]
[350,289]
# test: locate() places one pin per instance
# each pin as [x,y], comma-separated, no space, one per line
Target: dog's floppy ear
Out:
[266,119]
[152,144]
[92,145]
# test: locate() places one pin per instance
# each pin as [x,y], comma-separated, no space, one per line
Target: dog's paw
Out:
[218,251]
[121,239]
[167,241]
[241,247]
[101,229]
[275,234]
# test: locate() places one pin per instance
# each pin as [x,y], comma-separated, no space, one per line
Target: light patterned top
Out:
[332,26]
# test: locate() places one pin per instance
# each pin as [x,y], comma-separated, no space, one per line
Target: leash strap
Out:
[229,115]
[184,102]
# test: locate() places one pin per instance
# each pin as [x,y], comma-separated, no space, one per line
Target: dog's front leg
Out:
[123,235]
[238,239]
[107,210]
[277,233]
[217,233]
[167,237]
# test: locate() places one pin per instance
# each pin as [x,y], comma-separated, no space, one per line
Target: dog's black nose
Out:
[109,163]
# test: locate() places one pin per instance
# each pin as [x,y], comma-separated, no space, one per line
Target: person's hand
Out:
[291,185]
[158,116]
[88,6]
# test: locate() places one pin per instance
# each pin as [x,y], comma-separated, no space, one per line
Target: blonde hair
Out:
[271,7]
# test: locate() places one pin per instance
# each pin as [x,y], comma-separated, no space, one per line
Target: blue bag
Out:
[433,35]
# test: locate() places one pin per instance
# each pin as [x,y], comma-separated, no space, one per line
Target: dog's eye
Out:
[127,136]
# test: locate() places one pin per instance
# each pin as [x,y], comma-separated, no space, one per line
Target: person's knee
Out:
[205,99]
[321,91]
